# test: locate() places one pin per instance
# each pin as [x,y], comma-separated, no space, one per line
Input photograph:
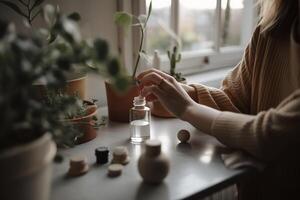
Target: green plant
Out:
[56,99]
[125,19]
[28,9]
[25,60]
[175,57]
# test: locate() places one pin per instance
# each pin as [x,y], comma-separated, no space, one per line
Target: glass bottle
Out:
[139,117]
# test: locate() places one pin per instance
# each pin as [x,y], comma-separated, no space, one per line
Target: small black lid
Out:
[101,150]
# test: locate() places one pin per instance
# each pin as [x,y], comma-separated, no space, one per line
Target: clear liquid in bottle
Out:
[139,121]
[140,131]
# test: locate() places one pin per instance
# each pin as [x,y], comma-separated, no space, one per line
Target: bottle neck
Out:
[139,106]
[139,102]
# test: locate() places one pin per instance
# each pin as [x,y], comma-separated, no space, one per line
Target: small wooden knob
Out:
[183,135]
[153,147]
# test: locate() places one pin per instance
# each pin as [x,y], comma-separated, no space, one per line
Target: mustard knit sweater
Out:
[261,100]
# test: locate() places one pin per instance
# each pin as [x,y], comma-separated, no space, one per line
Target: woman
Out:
[257,108]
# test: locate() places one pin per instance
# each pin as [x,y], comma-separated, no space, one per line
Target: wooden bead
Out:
[183,135]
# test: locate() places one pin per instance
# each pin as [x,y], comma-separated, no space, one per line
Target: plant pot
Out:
[119,104]
[76,84]
[158,110]
[85,124]
[25,170]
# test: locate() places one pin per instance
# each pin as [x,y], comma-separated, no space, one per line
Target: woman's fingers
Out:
[150,79]
[154,78]
[153,70]
[147,93]
[152,90]
[165,85]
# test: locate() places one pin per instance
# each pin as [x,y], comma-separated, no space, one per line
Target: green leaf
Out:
[122,83]
[49,13]
[149,13]
[142,19]
[101,48]
[123,19]
[113,67]
[3,28]
[74,16]
[36,14]
[52,37]
[14,7]
[37,3]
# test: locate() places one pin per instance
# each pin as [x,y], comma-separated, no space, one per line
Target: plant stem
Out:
[29,12]
[138,58]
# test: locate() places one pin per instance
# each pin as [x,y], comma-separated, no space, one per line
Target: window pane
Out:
[232,18]
[157,37]
[196,24]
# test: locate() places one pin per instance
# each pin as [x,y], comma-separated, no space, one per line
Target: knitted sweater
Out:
[261,100]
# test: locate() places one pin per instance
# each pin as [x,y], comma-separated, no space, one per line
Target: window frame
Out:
[193,61]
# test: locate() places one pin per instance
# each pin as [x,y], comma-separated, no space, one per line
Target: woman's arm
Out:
[235,93]
[267,135]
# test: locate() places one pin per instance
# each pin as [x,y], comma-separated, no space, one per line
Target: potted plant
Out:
[157,109]
[29,10]
[119,104]
[81,117]
[30,126]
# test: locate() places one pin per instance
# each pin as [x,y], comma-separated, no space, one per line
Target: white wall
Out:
[96,21]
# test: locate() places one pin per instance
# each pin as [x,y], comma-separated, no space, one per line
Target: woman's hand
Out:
[173,95]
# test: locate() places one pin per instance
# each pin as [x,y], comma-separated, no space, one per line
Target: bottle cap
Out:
[101,155]
[101,151]
[153,147]
[139,101]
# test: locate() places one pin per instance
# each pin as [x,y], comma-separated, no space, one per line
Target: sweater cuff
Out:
[204,97]
[229,127]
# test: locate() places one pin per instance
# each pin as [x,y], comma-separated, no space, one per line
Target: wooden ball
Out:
[183,135]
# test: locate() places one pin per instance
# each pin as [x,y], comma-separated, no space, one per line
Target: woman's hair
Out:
[277,16]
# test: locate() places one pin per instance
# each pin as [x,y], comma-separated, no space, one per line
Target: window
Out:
[211,30]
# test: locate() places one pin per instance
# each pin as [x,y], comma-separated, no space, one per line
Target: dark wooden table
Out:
[197,169]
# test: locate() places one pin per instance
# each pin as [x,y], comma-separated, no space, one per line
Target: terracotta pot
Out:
[158,110]
[76,84]
[85,124]
[25,170]
[119,104]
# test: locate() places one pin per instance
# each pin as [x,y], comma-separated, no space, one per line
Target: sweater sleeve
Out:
[266,135]
[234,94]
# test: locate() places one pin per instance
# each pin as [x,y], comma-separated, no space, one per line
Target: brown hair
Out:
[277,16]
